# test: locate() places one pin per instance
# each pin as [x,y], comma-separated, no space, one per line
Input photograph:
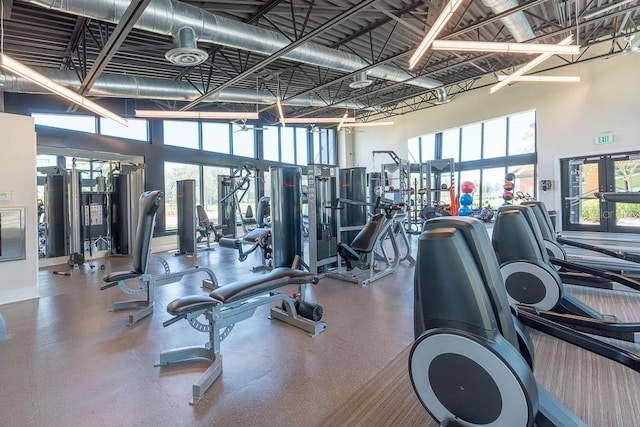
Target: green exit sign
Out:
[605,138]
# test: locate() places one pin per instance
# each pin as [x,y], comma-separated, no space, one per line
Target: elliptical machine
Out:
[472,361]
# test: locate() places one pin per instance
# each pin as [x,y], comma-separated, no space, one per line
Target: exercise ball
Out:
[508,186]
[465,211]
[443,186]
[467,187]
[507,195]
[509,177]
[466,199]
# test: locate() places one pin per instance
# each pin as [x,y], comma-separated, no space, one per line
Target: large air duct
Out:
[516,23]
[125,86]
[169,16]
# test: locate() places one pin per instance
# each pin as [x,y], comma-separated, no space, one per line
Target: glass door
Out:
[583,177]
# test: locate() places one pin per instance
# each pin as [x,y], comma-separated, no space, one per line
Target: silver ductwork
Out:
[169,16]
[124,86]
[516,23]
[186,52]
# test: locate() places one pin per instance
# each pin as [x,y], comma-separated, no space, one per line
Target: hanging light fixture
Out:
[14,67]
[211,115]
[529,48]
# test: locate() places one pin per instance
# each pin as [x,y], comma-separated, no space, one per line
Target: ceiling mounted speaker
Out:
[186,53]
[360,81]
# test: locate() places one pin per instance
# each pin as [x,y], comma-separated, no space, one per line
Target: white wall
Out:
[569,116]
[19,279]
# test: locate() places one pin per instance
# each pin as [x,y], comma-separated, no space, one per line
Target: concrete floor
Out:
[71,361]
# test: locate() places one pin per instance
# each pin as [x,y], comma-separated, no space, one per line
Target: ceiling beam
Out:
[119,34]
[275,56]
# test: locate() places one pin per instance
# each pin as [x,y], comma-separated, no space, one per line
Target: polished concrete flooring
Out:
[70,361]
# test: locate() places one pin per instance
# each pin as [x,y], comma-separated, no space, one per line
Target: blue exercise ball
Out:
[465,211]
[466,199]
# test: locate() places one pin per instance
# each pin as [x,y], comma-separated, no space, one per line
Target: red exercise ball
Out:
[467,187]
[507,195]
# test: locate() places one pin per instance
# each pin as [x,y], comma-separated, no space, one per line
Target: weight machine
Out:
[323,222]
[231,191]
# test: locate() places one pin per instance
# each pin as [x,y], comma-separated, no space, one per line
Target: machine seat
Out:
[277,278]
[365,240]
[121,275]
[189,304]
[254,235]
[346,251]
[240,290]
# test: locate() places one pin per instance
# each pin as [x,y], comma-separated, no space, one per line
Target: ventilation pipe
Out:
[124,86]
[169,16]
[516,23]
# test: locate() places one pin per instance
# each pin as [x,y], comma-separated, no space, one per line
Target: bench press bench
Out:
[149,204]
[232,303]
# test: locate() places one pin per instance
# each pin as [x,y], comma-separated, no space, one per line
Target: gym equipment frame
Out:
[148,207]
[231,303]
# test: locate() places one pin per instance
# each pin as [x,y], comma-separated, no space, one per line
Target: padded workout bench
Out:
[148,207]
[233,303]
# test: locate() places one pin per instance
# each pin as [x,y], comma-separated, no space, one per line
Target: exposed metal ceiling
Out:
[91,51]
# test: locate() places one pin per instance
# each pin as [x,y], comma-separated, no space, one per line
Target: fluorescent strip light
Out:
[474,46]
[527,67]
[33,76]
[222,115]
[367,124]
[314,120]
[606,9]
[437,26]
[280,111]
[563,79]
[346,113]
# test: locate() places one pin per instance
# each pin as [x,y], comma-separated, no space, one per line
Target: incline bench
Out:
[232,303]
[148,208]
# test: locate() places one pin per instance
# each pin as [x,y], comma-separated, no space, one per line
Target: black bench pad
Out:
[121,275]
[277,278]
[189,304]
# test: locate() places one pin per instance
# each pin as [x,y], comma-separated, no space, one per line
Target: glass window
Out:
[471,143]
[267,183]
[428,150]
[270,144]
[495,138]
[492,187]
[525,179]
[181,134]
[215,137]
[67,121]
[136,129]
[175,172]
[301,146]
[472,176]
[243,142]
[210,181]
[316,136]
[414,150]
[287,145]
[332,157]
[451,144]
[522,133]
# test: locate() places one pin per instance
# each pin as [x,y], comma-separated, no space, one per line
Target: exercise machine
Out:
[149,204]
[353,186]
[217,313]
[258,238]
[531,279]
[472,361]
[438,177]
[618,261]
[56,211]
[323,222]
[374,253]
[232,190]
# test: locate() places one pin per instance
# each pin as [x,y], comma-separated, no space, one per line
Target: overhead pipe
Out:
[169,16]
[516,23]
[126,86]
